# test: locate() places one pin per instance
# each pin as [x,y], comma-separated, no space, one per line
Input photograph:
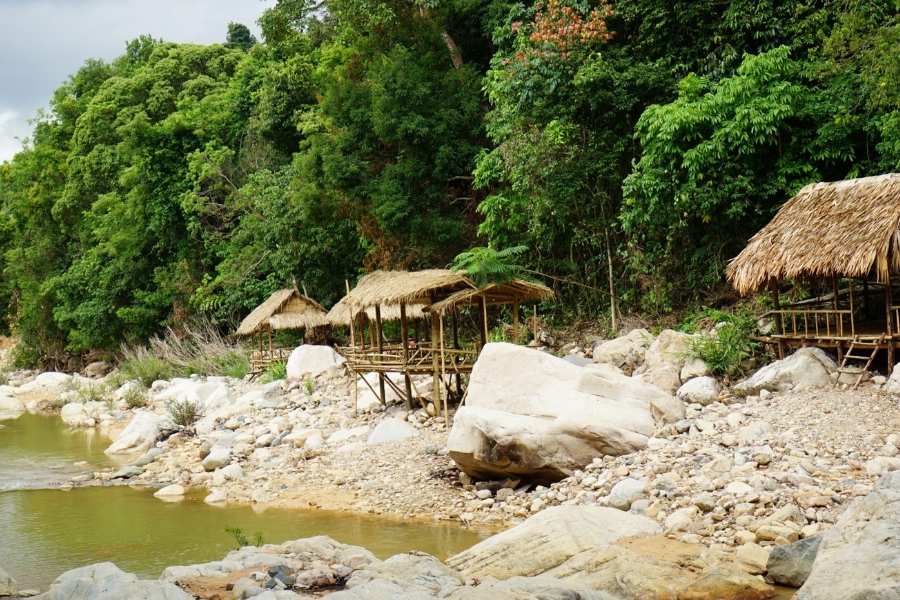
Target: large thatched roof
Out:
[285,309]
[435,289]
[839,228]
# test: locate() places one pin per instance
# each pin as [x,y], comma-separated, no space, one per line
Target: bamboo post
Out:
[271,351]
[444,374]
[416,330]
[380,349]
[455,325]
[371,335]
[534,323]
[515,310]
[482,318]
[404,332]
[852,321]
[436,386]
[889,301]
[779,327]
[352,335]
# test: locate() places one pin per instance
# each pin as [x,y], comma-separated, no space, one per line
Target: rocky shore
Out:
[737,479]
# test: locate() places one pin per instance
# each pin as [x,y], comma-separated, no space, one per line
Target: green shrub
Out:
[728,344]
[309,386]
[183,412]
[135,396]
[274,371]
[239,538]
[88,391]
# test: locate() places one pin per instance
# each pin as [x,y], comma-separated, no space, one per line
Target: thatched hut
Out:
[841,241]
[382,295]
[284,309]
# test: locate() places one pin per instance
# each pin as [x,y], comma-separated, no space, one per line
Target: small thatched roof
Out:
[285,309]
[514,291]
[839,228]
[387,288]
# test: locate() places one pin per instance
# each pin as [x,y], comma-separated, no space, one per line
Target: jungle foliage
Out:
[633,145]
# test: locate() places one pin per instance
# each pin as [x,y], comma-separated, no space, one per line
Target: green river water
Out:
[44,532]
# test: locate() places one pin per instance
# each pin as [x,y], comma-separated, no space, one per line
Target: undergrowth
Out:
[274,371]
[724,340]
[200,350]
[183,412]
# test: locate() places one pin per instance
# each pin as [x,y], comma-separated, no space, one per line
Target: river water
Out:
[44,532]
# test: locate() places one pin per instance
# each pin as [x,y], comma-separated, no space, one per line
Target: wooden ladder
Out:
[856,344]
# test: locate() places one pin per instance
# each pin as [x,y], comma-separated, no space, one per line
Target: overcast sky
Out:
[42,42]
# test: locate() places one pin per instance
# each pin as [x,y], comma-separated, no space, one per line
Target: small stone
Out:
[431,449]
[625,492]
[744,537]
[738,488]
[127,473]
[170,491]
[483,494]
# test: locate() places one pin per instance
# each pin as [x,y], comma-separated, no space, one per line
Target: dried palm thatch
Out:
[513,291]
[388,288]
[340,313]
[285,309]
[837,228]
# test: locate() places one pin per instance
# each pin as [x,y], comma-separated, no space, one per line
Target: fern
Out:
[487,266]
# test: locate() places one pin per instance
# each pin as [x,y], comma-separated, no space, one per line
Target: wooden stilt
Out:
[380,346]
[779,327]
[515,310]
[352,336]
[271,353]
[416,331]
[482,321]
[444,373]
[371,335]
[436,386]
[534,326]
[404,333]
[889,301]
[454,323]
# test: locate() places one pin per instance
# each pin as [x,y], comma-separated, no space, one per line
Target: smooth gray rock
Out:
[105,581]
[625,492]
[807,368]
[791,564]
[8,585]
[578,361]
[147,458]
[415,570]
[702,390]
[218,457]
[544,588]
[127,473]
[391,430]
[859,558]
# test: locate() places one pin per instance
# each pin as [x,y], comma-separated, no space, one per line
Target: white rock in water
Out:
[312,360]
[805,369]
[170,491]
[9,404]
[216,498]
[142,433]
[858,556]
[105,581]
[8,586]
[534,415]
[391,430]
[702,390]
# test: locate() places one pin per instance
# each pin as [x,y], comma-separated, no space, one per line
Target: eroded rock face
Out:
[143,431]
[547,540]
[627,352]
[807,368]
[858,557]
[312,360]
[528,414]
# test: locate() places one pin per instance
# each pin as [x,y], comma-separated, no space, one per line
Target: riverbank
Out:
[734,478]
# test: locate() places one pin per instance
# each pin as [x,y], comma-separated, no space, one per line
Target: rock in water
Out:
[858,557]
[312,360]
[8,585]
[171,491]
[547,540]
[534,415]
[791,564]
[105,581]
[807,368]
[143,431]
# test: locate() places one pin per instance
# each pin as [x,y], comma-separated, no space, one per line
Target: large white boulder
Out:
[141,434]
[105,581]
[78,414]
[10,404]
[700,390]
[312,360]
[533,415]
[858,557]
[805,369]
[44,384]
[669,348]
[391,430]
[627,352]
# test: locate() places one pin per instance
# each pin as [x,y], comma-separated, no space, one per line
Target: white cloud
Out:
[42,42]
